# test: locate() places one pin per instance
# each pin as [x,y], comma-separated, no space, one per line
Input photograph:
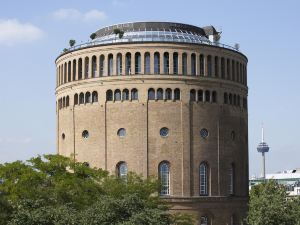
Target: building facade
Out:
[165,99]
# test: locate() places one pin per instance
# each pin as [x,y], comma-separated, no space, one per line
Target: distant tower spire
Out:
[263,148]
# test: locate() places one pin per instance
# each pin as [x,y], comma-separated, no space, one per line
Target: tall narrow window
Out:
[86,67]
[160,94]
[233,70]
[230,99]
[65,73]
[177,94]
[74,69]
[125,95]
[88,97]
[128,63]
[231,179]
[222,68]
[216,66]
[95,96]
[81,98]
[214,96]
[207,96]
[225,98]
[184,64]
[67,101]
[119,64]
[64,102]
[201,58]
[203,179]
[234,99]
[79,69]
[147,63]
[69,71]
[110,65]
[166,63]
[192,95]
[200,95]
[228,69]
[237,72]
[209,66]
[94,66]
[168,95]
[156,63]
[164,176]
[193,64]
[109,95]
[101,64]
[134,94]
[175,63]
[117,96]
[76,99]
[138,63]
[122,170]
[151,94]
[238,100]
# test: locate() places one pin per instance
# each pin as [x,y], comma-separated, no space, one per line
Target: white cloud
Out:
[76,15]
[14,32]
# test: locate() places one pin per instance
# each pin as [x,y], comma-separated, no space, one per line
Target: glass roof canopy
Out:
[152,32]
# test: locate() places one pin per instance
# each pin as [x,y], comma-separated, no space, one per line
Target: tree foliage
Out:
[56,190]
[270,205]
[72,42]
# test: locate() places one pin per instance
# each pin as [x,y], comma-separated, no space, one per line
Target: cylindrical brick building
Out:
[164,99]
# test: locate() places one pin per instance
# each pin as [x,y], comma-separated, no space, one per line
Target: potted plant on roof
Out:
[93,36]
[118,32]
[72,42]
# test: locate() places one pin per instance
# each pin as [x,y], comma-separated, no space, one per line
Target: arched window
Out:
[69,71]
[117,96]
[175,63]
[177,94]
[160,94]
[147,63]
[228,69]
[193,64]
[125,95]
[203,220]
[209,66]
[61,74]
[184,64]
[88,97]
[200,96]
[164,176]
[237,72]
[230,99]
[234,99]
[119,64]
[86,67]
[222,68]
[138,63]
[231,179]
[156,63]
[109,95]
[74,69]
[151,94]
[101,64]
[216,66]
[81,98]
[128,63]
[94,66]
[192,95]
[134,94]
[201,59]
[95,96]
[67,101]
[245,103]
[79,69]
[122,170]
[225,98]
[207,96]
[168,95]
[110,67]
[214,96]
[76,99]
[233,70]
[64,102]
[65,73]
[166,63]
[203,179]
[238,100]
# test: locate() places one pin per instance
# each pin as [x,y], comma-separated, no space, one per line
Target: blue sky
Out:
[33,33]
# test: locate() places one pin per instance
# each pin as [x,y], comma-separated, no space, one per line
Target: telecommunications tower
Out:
[263,148]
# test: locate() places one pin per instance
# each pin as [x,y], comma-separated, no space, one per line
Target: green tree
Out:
[93,36]
[270,205]
[72,42]
[56,190]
